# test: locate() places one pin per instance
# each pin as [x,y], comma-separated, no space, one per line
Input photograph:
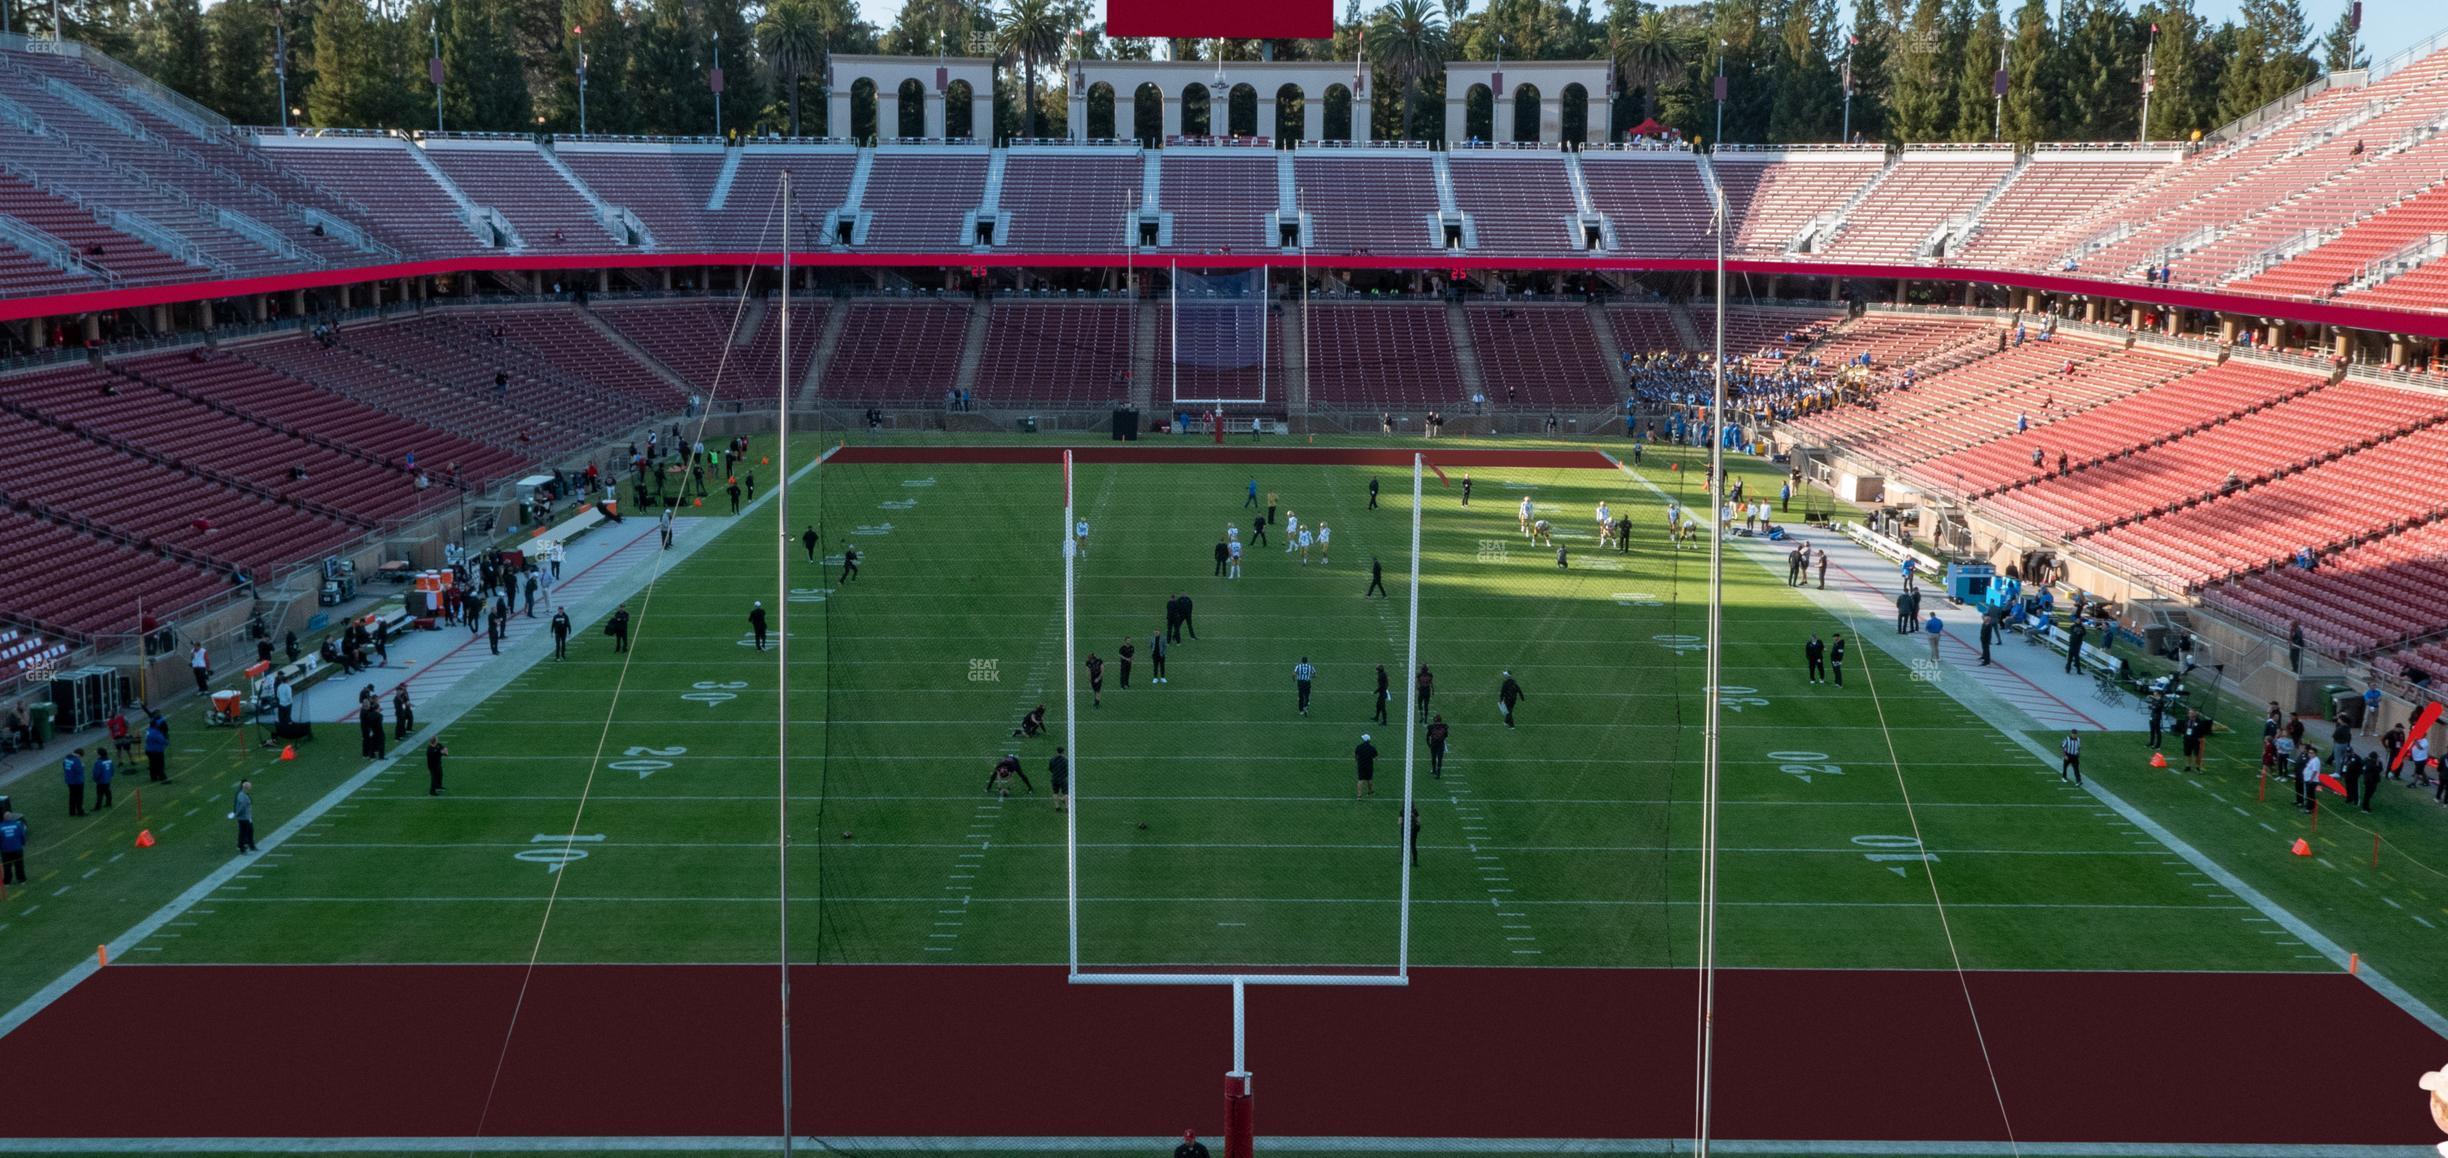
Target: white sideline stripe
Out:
[1274,1143]
[219,879]
[1137,845]
[638,899]
[2251,896]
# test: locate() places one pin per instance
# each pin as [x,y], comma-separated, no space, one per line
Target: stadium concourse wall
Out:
[2395,323]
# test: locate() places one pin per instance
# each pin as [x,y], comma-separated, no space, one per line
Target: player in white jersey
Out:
[1291,532]
[1079,535]
[1232,564]
[1541,532]
[1604,517]
[1526,511]
[1325,537]
[1304,548]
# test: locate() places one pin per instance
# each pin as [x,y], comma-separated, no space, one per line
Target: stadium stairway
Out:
[612,334]
[1466,355]
[1609,349]
[811,383]
[973,349]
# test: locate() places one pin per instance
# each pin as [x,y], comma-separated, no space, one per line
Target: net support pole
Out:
[1070,551]
[1411,730]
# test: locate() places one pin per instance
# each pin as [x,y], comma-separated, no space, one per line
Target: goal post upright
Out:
[1070,553]
[1410,674]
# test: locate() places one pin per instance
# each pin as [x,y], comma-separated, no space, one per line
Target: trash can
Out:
[1028,425]
[39,718]
[2346,705]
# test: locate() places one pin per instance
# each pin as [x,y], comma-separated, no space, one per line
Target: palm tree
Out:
[792,36]
[1651,54]
[1031,28]
[1410,42]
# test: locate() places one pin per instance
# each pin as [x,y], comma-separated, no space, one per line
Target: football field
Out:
[633,797]
[622,808]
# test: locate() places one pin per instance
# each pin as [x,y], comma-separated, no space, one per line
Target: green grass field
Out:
[1565,842]
[619,809]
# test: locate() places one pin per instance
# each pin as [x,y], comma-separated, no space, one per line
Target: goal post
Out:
[1220,341]
[1082,765]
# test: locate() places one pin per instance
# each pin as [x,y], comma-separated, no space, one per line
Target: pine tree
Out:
[667,70]
[2340,51]
[606,43]
[484,87]
[1804,105]
[1975,77]
[171,47]
[240,85]
[2177,104]
[344,55]
[1872,40]
[2286,63]
[2100,76]
[1917,77]
[2031,105]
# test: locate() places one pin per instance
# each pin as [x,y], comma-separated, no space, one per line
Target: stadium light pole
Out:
[578,33]
[1844,133]
[433,68]
[280,55]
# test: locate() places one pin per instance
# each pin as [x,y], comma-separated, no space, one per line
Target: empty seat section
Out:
[1654,202]
[1517,202]
[923,201]
[1220,199]
[1540,357]
[903,353]
[1368,204]
[549,213]
[1070,202]
[1046,354]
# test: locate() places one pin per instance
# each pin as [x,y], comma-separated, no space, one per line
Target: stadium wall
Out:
[2245,308]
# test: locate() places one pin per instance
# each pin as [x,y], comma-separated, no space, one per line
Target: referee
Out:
[2071,766]
[1302,675]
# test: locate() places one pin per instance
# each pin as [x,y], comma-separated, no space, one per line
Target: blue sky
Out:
[2389,26]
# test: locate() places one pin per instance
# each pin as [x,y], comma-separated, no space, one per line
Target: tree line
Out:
[1796,70]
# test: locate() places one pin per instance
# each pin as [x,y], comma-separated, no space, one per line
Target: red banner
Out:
[1245,20]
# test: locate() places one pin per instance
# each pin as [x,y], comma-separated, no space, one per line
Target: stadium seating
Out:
[1368,203]
[1517,202]
[1069,201]
[667,186]
[1912,199]
[420,216]
[60,596]
[1541,355]
[1049,354]
[2192,467]
[2323,507]
[2369,596]
[923,200]
[1654,201]
[897,353]
[2216,394]
[1772,195]
[566,341]
[1644,330]
[152,503]
[2054,186]
[820,183]
[548,212]
[1378,355]
[1220,199]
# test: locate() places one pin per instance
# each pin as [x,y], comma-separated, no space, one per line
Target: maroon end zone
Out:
[1188,453]
[604,1050]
